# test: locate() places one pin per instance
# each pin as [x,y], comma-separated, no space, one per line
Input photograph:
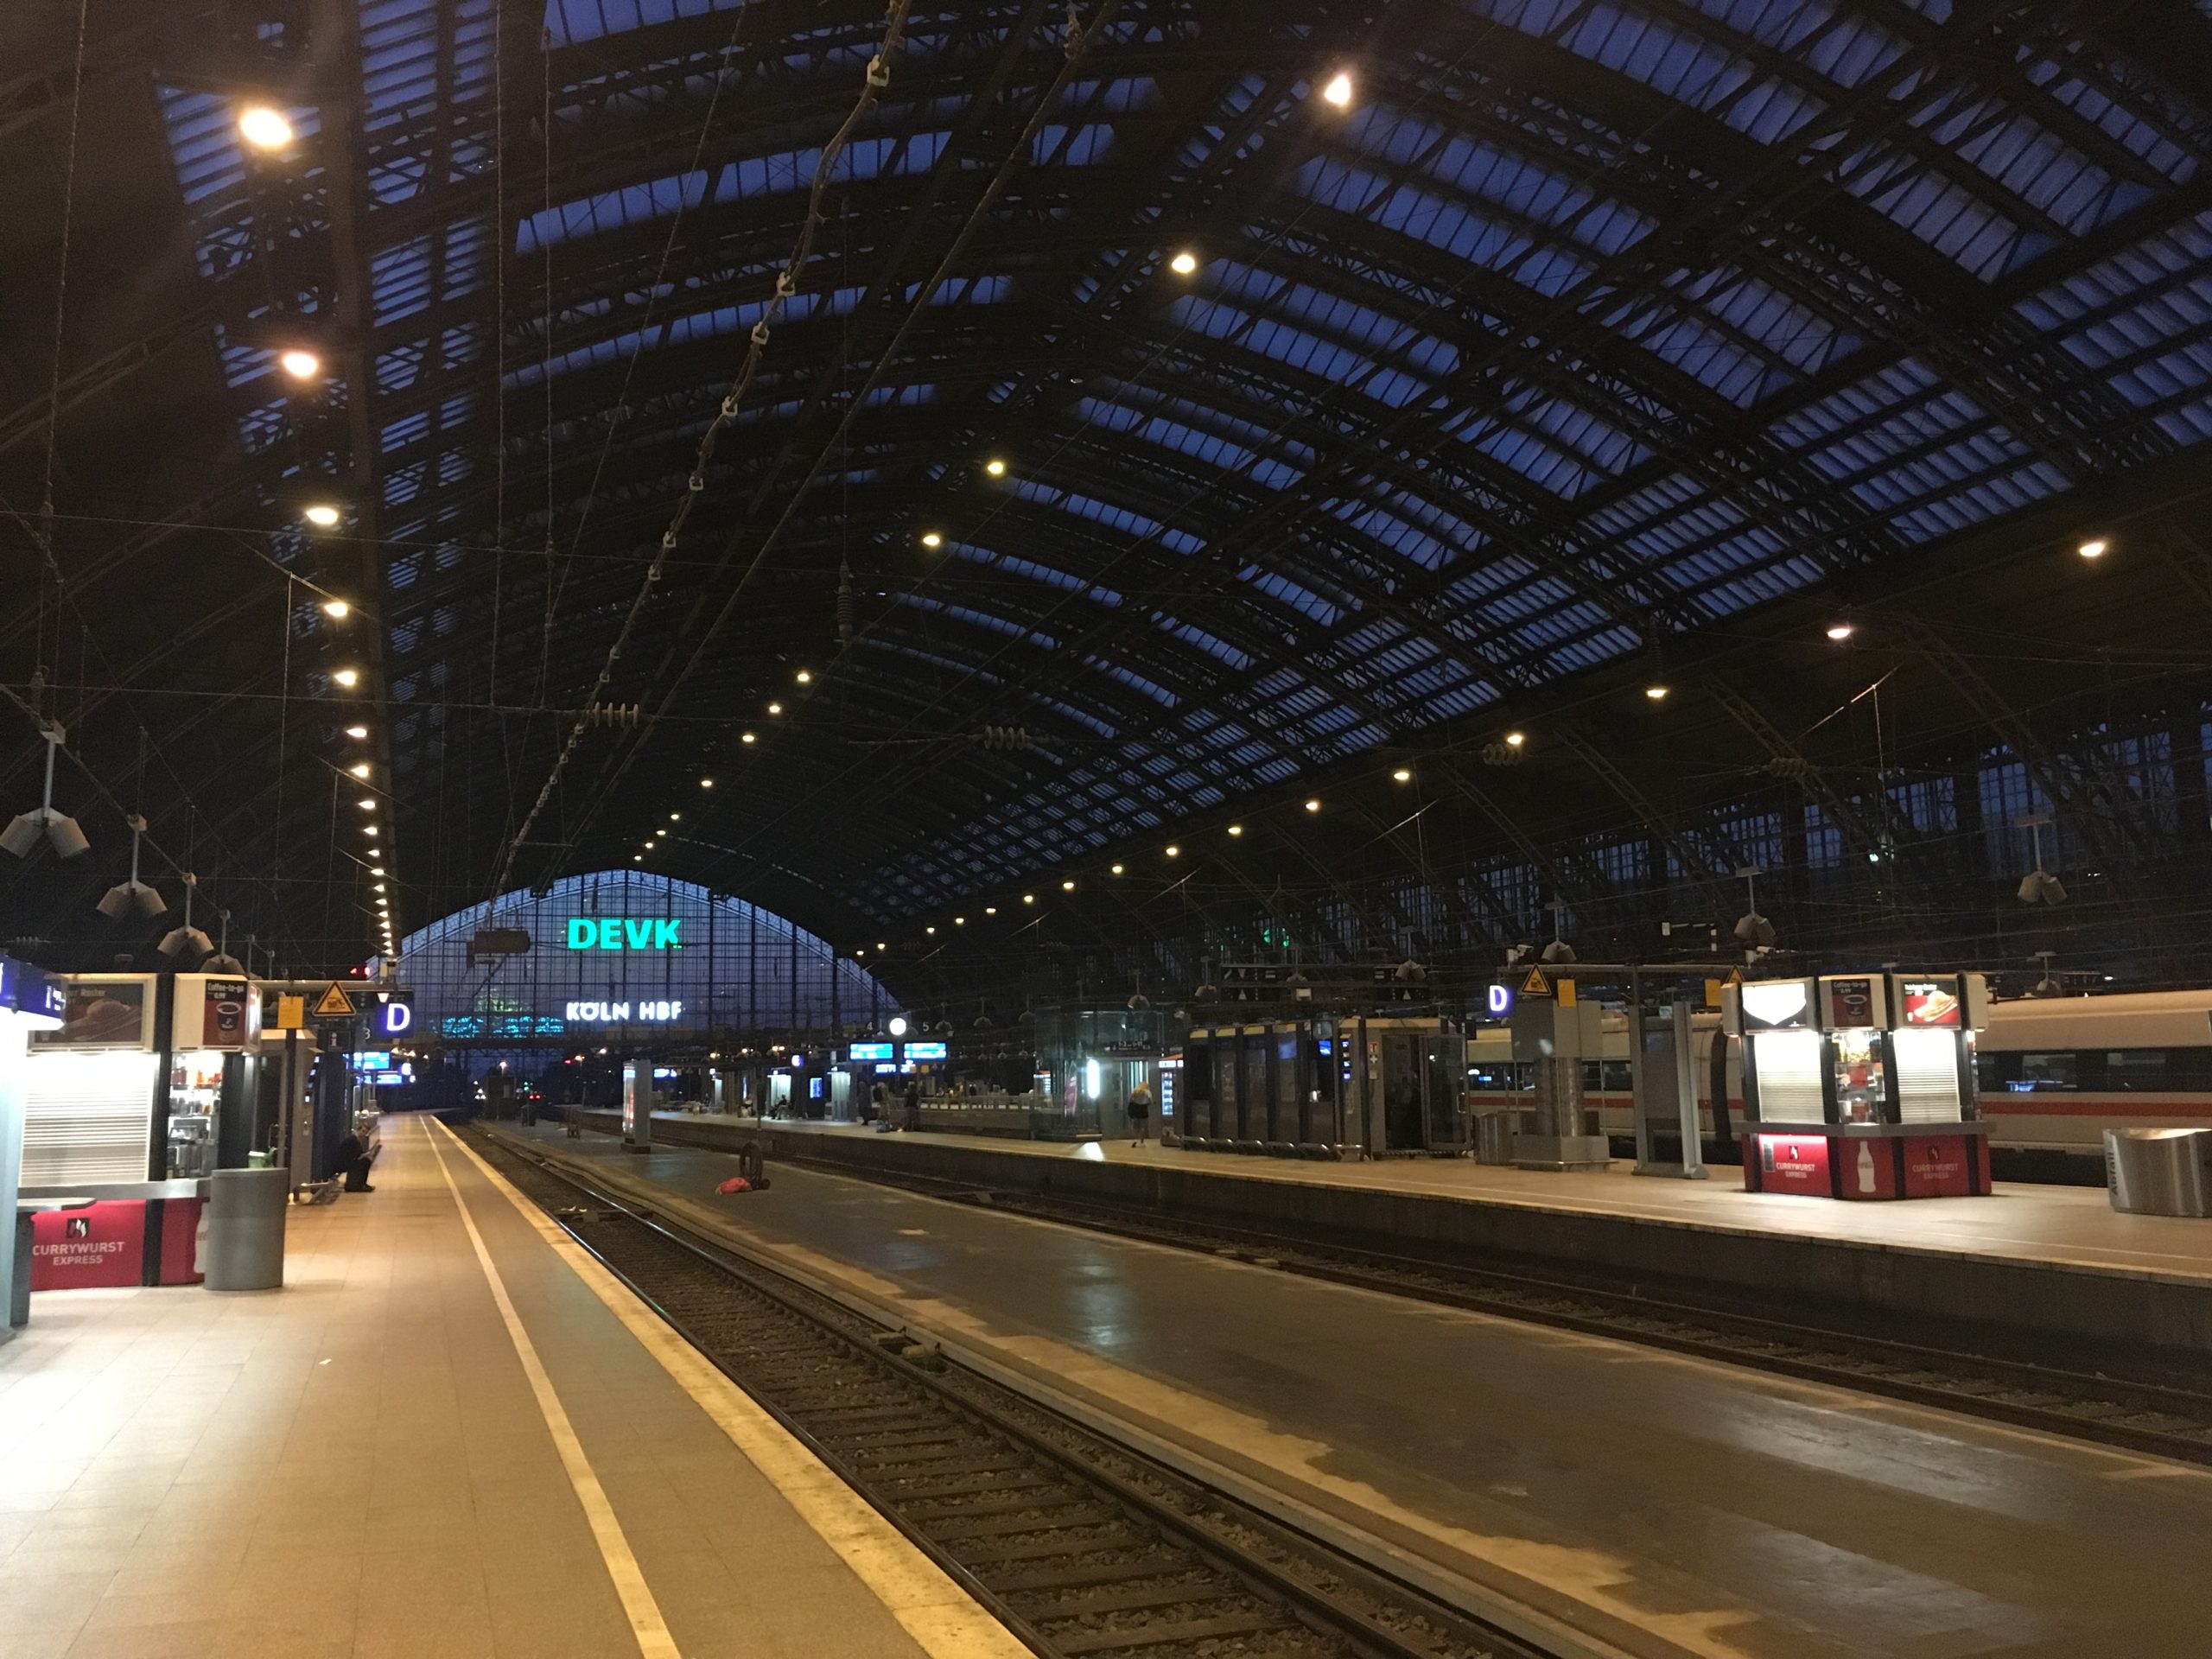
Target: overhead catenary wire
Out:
[874,78]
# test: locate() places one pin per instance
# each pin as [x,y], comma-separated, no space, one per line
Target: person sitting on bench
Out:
[352,1162]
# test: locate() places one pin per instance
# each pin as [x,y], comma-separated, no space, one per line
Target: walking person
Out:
[1140,1113]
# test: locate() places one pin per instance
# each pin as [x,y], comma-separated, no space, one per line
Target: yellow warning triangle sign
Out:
[1735,976]
[1536,984]
[334,1004]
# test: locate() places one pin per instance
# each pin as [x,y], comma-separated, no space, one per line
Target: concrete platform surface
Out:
[2068,1226]
[363,1463]
[1721,1511]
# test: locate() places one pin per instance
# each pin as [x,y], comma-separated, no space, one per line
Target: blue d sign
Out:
[1501,1000]
[395,1018]
[615,933]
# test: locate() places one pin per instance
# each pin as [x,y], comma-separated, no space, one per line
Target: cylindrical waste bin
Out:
[1494,1137]
[19,1287]
[2159,1172]
[245,1228]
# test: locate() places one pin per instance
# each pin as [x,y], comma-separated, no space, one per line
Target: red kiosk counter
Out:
[1861,1085]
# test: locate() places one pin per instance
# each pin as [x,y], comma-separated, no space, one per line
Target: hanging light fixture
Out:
[57,830]
[124,895]
[187,941]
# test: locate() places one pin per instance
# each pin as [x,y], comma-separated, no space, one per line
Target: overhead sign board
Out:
[870,1052]
[395,1015]
[625,933]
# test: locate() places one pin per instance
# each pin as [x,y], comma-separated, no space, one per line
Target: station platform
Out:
[1650,1503]
[446,1436]
[2056,1261]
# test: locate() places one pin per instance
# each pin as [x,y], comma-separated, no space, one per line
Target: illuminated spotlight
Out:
[1236,829]
[745,737]
[1028,898]
[706,783]
[960,921]
[637,858]
[804,677]
[347,678]
[379,888]
[930,538]
[357,731]
[264,128]
[675,817]
[1174,852]
[2094,548]
[1840,631]
[775,708]
[1401,776]
[376,869]
[1514,740]
[1067,887]
[323,514]
[995,467]
[301,366]
[336,608]
[368,829]
[1117,869]
[990,910]
[367,804]
[881,945]
[1314,804]
[1183,263]
[1656,693]
[930,930]
[1338,91]
[359,768]
[660,832]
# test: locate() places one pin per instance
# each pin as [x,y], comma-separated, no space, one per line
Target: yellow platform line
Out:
[638,1603]
[944,1620]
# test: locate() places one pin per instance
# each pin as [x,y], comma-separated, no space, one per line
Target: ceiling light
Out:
[1174,852]
[357,731]
[675,817]
[775,708]
[322,513]
[379,886]
[660,832]
[359,768]
[745,737]
[1840,632]
[960,921]
[1656,693]
[368,829]
[1236,829]
[990,910]
[1314,804]
[1067,887]
[996,468]
[347,676]
[264,128]
[301,366]
[1514,740]
[1183,263]
[2094,548]
[367,804]
[881,945]
[706,783]
[804,677]
[930,538]
[337,608]
[376,869]
[931,931]
[1338,91]
[1401,776]
[637,858]
[1028,898]
[1117,869]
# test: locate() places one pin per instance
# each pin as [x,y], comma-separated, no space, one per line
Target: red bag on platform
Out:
[735,1183]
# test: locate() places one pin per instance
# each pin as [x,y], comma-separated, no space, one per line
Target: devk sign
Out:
[617,933]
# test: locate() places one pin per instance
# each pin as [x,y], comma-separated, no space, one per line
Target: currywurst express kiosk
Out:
[1861,1085]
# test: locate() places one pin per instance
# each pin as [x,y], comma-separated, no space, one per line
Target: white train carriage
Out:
[2053,1074]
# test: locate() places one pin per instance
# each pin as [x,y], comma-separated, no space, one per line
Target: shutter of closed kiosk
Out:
[1788,1066]
[87,1118]
[1927,1074]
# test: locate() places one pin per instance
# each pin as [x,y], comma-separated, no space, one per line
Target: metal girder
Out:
[1703,854]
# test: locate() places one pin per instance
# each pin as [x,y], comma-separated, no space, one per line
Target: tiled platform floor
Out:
[356,1465]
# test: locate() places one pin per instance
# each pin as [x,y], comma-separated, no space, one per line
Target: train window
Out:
[2039,1072]
[2136,1068]
[1617,1078]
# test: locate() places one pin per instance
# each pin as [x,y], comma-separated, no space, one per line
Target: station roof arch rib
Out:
[1587,335]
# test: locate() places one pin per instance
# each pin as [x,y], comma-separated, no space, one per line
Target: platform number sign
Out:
[395,1015]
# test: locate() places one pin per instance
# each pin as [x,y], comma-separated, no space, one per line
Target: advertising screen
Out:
[870,1052]
[101,1013]
[1850,1003]
[925,1050]
[1931,1002]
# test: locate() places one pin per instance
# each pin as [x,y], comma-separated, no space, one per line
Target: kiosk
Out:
[1861,1085]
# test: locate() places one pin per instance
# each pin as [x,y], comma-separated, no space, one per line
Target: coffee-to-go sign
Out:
[625,933]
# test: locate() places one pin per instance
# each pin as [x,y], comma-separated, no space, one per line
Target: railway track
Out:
[1079,1546]
[2137,1414]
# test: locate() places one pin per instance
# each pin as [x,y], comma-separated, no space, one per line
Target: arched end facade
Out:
[634,957]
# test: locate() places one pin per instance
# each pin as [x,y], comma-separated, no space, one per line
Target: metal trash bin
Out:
[245,1228]
[2159,1172]
[1493,1137]
[19,1289]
